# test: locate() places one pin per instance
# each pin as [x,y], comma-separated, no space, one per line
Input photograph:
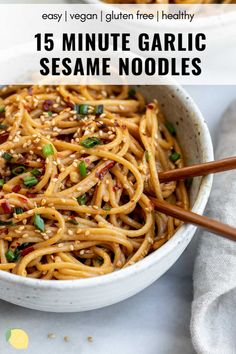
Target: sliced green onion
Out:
[98,260]
[76,108]
[35,172]
[30,181]
[91,142]
[3,126]
[98,110]
[188,182]
[47,150]
[18,170]
[131,93]
[2,182]
[174,156]
[7,156]
[12,256]
[8,222]
[82,199]
[147,157]
[82,169]
[49,113]
[81,109]
[18,210]
[171,128]
[39,223]
[106,207]
[2,109]
[73,222]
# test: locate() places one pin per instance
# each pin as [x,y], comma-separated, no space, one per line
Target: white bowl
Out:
[92,293]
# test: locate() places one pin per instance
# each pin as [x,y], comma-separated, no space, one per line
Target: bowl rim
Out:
[148,261]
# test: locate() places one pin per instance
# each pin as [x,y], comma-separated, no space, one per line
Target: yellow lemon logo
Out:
[17,338]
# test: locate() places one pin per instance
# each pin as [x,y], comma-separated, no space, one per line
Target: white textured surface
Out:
[155,321]
[140,325]
[214,306]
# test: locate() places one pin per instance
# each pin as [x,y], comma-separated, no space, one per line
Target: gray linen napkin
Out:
[213,323]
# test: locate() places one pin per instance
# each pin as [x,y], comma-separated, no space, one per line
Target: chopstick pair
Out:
[164,207]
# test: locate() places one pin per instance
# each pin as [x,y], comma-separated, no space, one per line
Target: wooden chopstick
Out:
[198,170]
[193,218]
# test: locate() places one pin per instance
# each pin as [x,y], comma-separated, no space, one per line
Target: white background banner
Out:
[105,44]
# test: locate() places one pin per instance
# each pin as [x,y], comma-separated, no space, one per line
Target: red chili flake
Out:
[150,106]
[87,161]
[116,187]
[64,137]
[30,90]
[7,209]
[152,205]
[116,124]
[4,231]
[47,105]
[4,137]
[28,109]
[16,188]
[27,250]
[123,126]
[102,125]
[105,169]
[31,195]
[22,161]
[24,200]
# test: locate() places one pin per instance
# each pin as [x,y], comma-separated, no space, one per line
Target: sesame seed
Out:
[8,238]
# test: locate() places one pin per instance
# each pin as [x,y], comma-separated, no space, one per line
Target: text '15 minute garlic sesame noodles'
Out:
[78,165]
